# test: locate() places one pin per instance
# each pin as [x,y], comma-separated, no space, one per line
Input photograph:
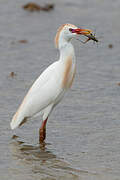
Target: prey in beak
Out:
[86,32]
[91,37]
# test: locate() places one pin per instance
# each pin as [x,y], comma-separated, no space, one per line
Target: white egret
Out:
[51,86]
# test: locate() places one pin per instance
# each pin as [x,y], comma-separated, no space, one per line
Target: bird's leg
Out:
[42,131]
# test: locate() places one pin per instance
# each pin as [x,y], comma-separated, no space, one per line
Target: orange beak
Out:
[82,31]
[85,32]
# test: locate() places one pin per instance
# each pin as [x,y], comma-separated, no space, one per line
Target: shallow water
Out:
[83,132]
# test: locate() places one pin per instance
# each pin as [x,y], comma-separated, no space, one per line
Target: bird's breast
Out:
[68,72]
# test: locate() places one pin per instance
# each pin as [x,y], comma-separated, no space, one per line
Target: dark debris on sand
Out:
[118,84]
[110,46]
[12,74]
[23,41]
[35,7]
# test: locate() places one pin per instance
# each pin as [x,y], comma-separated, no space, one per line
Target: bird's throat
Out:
[66,51]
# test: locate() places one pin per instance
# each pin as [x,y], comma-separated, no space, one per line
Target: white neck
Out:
[66,49]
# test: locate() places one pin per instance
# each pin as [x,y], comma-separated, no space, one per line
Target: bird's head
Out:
[68,31]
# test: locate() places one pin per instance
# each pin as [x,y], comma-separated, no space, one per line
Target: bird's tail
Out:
[18,119]
[20,116]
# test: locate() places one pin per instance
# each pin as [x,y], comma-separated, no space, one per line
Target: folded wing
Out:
[43,92]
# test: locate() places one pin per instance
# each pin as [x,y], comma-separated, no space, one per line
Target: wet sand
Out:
[83,132]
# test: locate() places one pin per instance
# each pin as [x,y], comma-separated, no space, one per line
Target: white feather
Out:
[41,95]
[47,90]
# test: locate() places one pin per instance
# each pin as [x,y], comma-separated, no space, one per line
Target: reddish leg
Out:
[42,131]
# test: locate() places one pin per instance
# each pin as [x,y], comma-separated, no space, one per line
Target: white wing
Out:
[43,92]
[43,78]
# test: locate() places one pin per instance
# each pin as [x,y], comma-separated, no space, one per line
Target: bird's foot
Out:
[42,132]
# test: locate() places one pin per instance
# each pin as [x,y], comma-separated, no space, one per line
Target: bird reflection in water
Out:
[40,161]
[30,152]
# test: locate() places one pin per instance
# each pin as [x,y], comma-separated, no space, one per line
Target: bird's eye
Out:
[70,29]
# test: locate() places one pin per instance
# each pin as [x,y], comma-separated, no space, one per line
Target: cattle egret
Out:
[51,86]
